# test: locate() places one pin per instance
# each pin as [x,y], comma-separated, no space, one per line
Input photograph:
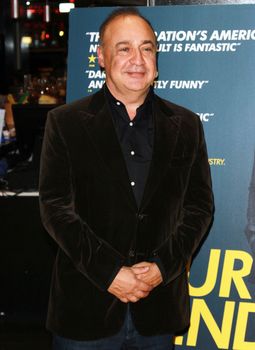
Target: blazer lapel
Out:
[165,137]
[100,129]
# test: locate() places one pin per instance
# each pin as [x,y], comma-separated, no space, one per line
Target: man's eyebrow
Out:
[148,42]
[123,43]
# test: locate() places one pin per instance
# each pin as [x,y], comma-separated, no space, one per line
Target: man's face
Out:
[128,54]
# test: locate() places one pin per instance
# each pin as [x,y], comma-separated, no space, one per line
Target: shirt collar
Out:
[115,102]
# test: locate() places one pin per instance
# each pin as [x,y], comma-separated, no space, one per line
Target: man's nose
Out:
[137,57]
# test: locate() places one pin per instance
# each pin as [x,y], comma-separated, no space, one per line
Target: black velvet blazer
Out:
[88,207]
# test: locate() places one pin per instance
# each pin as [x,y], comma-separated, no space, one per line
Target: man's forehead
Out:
[124,25]
[127,20]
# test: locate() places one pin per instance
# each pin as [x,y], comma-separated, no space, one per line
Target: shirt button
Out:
[132,183]
[140,217]
[118,103]
[132,153]
[131,124]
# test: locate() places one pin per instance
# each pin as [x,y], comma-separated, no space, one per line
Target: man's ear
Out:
[100,56]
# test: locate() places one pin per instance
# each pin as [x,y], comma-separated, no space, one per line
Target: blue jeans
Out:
[127,339]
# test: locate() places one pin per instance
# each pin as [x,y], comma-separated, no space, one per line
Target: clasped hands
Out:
[135,282]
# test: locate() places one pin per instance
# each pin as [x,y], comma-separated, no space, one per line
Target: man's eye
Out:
[124,49]
[148,49]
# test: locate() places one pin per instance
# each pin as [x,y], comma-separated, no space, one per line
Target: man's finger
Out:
[138,270]
[132,298]
[144,287]
[141,294]
[124,300]
[141,276]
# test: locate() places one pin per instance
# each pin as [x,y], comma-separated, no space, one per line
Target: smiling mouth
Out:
[136,74]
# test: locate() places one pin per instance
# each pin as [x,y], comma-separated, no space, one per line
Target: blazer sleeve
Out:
[175,253]
[91,255]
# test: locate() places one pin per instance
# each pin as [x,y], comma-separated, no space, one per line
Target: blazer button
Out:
[131,253]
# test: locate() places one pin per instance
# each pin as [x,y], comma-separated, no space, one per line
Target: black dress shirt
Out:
[136,140]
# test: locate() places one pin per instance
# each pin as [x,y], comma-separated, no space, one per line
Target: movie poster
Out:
[206,58]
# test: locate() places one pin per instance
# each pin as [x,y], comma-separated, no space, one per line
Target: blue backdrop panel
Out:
[206,63]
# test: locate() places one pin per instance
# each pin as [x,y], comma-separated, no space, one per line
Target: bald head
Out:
[123,12]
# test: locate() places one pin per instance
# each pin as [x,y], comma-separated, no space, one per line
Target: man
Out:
[126,193]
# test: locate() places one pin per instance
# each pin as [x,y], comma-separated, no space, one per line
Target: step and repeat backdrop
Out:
[207,64]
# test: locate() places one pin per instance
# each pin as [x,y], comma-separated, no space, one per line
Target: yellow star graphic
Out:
[92,59]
